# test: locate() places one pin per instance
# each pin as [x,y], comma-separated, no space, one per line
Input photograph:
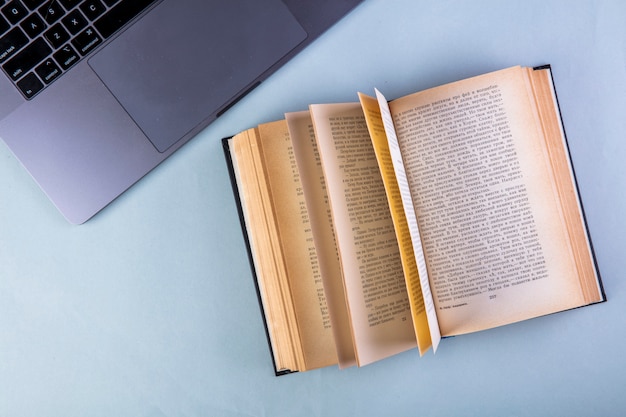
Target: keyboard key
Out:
[92,8]
[69,4]
[4,25]
[61,32]
[33,4]
[119,15]
[12,42]
[74,22]
[30,85]
[48,71]
[86,41]
[66,57]
[14,11]
[51,11]
[33,25]
[26,59]
[57,36]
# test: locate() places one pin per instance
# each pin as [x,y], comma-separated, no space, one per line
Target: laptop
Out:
[95,93]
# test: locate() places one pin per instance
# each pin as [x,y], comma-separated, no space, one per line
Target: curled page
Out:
[407,201]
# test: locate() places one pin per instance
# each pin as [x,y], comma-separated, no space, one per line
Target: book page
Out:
[316,196]
[415,273]
[565,183]
[495,242]
[272,283]
[409,209]
[296,240]
[368,250]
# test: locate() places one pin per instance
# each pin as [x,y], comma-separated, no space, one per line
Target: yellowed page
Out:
[565,183]
[370,259]
[269,268]
[314,188]
[296,245]
[409,210]
[493,234]
[376,129]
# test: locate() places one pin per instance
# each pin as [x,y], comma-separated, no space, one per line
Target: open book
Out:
[378,226]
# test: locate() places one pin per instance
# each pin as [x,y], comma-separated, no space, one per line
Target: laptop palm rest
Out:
[177,68]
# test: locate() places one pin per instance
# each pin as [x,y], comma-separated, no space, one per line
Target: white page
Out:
[409,210]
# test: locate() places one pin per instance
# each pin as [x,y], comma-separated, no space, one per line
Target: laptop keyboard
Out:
[42,39]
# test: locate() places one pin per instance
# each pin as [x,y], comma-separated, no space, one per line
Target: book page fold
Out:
[424,317]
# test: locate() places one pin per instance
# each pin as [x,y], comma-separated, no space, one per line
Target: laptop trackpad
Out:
[185,60]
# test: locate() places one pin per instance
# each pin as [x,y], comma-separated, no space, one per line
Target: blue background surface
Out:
[148,310]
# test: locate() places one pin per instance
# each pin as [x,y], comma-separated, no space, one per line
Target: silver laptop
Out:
[96,93]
